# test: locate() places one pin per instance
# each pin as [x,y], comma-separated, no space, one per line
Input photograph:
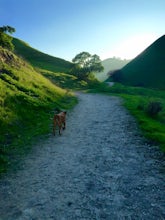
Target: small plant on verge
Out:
[153,108]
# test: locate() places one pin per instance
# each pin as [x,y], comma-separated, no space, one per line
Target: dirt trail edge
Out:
[100,168]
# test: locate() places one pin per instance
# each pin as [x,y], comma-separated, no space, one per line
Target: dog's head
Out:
[57,111]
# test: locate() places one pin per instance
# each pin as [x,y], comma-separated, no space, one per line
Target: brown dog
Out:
[60,120]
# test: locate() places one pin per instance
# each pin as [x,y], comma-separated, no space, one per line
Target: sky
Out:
[65,28]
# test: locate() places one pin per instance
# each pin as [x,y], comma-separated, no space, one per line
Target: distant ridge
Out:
[40,59]
[148,68]
[110,64]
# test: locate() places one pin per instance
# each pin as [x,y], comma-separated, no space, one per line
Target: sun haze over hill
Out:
[110,64]
[148,68]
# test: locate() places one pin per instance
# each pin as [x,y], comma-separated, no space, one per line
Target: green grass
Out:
[27,104]
[152,127]
[136,100]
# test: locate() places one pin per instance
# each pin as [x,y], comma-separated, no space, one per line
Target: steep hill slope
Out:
[26,102]
[39,59]
[147,69]
[110,64]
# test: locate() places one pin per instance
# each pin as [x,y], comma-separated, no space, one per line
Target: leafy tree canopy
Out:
[6,29]
[85,63]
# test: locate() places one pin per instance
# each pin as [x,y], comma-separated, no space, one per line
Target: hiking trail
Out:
[101,168]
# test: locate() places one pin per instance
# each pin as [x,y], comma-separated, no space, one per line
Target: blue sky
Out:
[64,28]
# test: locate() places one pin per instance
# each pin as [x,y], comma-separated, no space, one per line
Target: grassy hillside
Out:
[39,59]
[55,69]
[110,64]
[64,80]
[147,69]
[27,103]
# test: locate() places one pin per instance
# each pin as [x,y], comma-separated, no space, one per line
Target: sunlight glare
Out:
[130,48]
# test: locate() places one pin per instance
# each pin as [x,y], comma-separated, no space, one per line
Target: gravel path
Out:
[100,168]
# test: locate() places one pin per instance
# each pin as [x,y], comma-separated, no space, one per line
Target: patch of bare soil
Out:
[100,168]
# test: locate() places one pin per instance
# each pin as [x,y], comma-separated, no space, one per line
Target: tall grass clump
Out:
[154,108]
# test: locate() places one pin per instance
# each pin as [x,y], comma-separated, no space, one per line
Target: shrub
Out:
[153,108]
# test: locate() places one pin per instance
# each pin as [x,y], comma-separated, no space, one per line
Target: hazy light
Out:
[131,47]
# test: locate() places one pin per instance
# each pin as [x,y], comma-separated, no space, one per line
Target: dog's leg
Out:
[60,126]
[54,128]
[64,125]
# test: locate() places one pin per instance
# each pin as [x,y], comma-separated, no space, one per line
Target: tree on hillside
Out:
[5,39]
[85,64]
[8,29]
